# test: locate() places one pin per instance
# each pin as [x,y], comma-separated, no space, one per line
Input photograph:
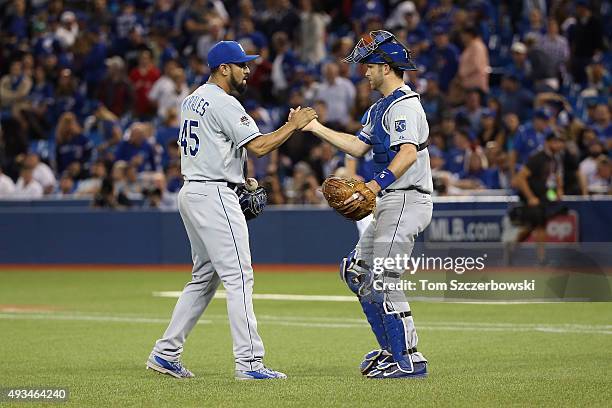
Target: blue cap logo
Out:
[228,52]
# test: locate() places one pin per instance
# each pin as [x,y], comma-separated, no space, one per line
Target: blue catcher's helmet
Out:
[381,47]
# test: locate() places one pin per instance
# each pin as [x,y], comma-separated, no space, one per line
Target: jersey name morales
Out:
[196,104]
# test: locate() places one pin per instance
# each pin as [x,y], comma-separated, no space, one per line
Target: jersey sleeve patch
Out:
[400,125]
[245,121]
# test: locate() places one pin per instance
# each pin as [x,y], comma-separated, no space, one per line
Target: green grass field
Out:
[92,332]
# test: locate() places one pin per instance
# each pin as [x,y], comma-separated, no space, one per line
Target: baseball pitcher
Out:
[215,134]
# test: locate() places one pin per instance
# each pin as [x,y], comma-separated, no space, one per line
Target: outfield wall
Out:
[48,233]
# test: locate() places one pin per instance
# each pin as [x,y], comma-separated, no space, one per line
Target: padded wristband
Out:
[385,178]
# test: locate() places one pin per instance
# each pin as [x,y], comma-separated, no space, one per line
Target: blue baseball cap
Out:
[228,52]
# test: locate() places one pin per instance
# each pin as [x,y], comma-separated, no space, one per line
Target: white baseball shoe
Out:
[261,374]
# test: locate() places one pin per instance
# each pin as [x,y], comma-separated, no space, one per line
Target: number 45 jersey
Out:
[214,130]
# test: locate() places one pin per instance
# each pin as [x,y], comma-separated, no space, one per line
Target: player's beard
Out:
[238,86]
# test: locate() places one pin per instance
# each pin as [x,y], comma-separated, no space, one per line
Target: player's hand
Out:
[292,112]
[533,202]
[371,185]
[310,126]
[301,117]
[374,186]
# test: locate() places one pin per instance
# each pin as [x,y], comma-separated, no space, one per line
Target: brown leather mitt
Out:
[338,189]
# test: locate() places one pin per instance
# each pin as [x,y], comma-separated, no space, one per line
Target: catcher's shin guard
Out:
[358,278]
[395,331]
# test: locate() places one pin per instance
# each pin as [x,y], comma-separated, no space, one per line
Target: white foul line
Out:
[325,322]
[85,318]
[270,296]
[339,298]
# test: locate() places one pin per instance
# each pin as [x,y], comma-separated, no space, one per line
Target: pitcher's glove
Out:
[338,189]
[252,203]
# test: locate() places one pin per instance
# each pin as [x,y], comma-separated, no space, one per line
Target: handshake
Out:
[303,118]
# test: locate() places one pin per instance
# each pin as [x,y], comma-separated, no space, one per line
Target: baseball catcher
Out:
[395,129]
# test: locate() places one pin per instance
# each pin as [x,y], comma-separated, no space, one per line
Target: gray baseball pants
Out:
[219,238]
[399,217]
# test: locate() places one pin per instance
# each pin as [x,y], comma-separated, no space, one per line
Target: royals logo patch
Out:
[400,125]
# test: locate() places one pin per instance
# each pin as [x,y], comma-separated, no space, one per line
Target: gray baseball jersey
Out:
[414,130]
[214,130]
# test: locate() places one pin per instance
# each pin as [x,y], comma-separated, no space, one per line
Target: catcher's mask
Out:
[381,47]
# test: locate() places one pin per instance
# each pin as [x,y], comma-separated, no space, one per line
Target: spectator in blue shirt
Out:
[67,97]
[520,64]
[363,10]
[601,123]
[197,72]
[535,24]
[599,79]
[101,125]
[432,99]
[169,129]
[167,135]
[71,146]
[35,112]
[500,174]
[455,160]
[93,69]
[445,57]
[137,150]
[163,18]
[530,138]
[247,31]
[165,48]
[470,114]
[125,23]
[513,98]
[16,21]
[484,178]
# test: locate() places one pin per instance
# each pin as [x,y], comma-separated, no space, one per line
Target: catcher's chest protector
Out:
[380,138]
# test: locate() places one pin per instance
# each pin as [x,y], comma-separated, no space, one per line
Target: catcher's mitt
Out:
[338,189]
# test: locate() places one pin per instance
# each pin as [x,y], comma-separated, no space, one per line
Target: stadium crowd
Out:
[90,90]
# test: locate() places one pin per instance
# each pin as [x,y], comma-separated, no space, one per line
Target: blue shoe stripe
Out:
[164,363]
[263,374]
[173,366]
[258,375]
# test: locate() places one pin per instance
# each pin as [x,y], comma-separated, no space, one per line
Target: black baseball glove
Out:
[252,202]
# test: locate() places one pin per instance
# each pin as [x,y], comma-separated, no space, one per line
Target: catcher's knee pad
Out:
[355,273]
[358,278]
